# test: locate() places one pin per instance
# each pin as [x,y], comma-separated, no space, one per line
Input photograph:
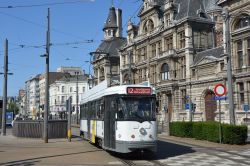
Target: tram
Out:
[120,118]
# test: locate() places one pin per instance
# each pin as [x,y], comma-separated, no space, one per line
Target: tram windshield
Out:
[136,108]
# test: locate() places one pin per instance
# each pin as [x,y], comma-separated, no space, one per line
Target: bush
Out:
[181,129]
[209,131]
[234,134]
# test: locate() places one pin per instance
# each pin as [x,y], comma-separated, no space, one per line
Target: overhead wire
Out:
[45,4]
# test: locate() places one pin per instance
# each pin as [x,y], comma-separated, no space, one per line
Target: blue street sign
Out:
[220,98]
[246,107]
[187,106]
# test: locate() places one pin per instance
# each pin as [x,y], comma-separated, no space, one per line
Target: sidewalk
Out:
[202,143]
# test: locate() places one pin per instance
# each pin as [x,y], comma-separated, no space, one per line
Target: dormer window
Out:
[148,26]
[244,21]
[201,13]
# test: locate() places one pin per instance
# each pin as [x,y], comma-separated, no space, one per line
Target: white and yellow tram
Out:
[120,118]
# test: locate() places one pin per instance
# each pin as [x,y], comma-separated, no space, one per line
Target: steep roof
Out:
[190,9]
[111,20]
[211,54]
[211,5]
[111,46]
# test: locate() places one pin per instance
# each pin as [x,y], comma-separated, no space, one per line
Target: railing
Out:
[34,128]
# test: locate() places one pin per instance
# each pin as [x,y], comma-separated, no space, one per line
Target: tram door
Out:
[109,122]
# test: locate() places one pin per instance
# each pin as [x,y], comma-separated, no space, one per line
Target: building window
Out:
[239,54]
[165,72]
[184,98]
[83,89]
[248,51]
[150,25]
[222,65]
[71,89]
[63,99]
[63,89]
[144,53]
[167,19]
[244,21]
[145,28]
[193,72]
[241,92]
[153,50]
[168,42]
[181,36]
[159,47]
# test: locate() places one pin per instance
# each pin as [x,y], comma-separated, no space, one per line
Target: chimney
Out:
[119,22]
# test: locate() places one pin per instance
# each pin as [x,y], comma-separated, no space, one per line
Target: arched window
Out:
[244,21]
[165,72]
[150,25]
[145,27]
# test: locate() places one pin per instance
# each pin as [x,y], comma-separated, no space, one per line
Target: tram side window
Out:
[100,109]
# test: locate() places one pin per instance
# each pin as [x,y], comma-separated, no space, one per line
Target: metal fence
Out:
[34,128]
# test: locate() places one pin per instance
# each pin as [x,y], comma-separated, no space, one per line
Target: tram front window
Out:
[136,109]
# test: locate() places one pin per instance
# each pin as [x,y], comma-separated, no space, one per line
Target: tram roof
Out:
[103,90]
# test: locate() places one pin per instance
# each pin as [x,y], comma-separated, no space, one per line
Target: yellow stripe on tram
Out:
[93,131]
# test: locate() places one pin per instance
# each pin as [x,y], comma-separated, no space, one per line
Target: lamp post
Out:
[229,67]
[77,111]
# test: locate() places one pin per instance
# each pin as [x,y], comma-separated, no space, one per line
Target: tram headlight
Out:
[143,131]
[132,136]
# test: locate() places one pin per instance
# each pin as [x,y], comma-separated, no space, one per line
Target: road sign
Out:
[220,98]
[220,90]
[246,107]
[187,106]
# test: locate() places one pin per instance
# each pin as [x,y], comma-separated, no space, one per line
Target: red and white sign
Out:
[139,90]
[220,90]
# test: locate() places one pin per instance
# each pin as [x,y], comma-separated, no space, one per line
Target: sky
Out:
[72,22]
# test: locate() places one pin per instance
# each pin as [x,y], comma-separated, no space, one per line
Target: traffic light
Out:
[194,107]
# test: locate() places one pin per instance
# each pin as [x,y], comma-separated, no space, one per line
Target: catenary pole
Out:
[46,104]
[5,89]
[229,67]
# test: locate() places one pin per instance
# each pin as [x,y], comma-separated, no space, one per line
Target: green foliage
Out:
[234,134]
[12,107]
[181,129]
[209,131]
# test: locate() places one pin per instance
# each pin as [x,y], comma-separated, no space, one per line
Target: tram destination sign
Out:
[139,90]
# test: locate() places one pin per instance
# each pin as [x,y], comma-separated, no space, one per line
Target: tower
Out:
[113,25]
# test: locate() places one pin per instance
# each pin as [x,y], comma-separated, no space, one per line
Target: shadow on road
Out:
[165,150]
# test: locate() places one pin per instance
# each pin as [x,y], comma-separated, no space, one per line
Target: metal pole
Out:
[190,104]
[229,68]
[77,111]
[46,104]
[220,121]
[5,89]
[68,102]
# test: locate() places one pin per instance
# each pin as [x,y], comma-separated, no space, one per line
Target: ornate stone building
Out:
[106,58]
[239,26]
[178,47]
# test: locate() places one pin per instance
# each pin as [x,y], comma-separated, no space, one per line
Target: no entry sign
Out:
[220,90]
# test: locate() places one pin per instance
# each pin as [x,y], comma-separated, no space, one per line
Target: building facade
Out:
[178,47]
[32,97]
[106,60]
[61,90]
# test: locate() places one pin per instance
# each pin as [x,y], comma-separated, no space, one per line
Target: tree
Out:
[12,107]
